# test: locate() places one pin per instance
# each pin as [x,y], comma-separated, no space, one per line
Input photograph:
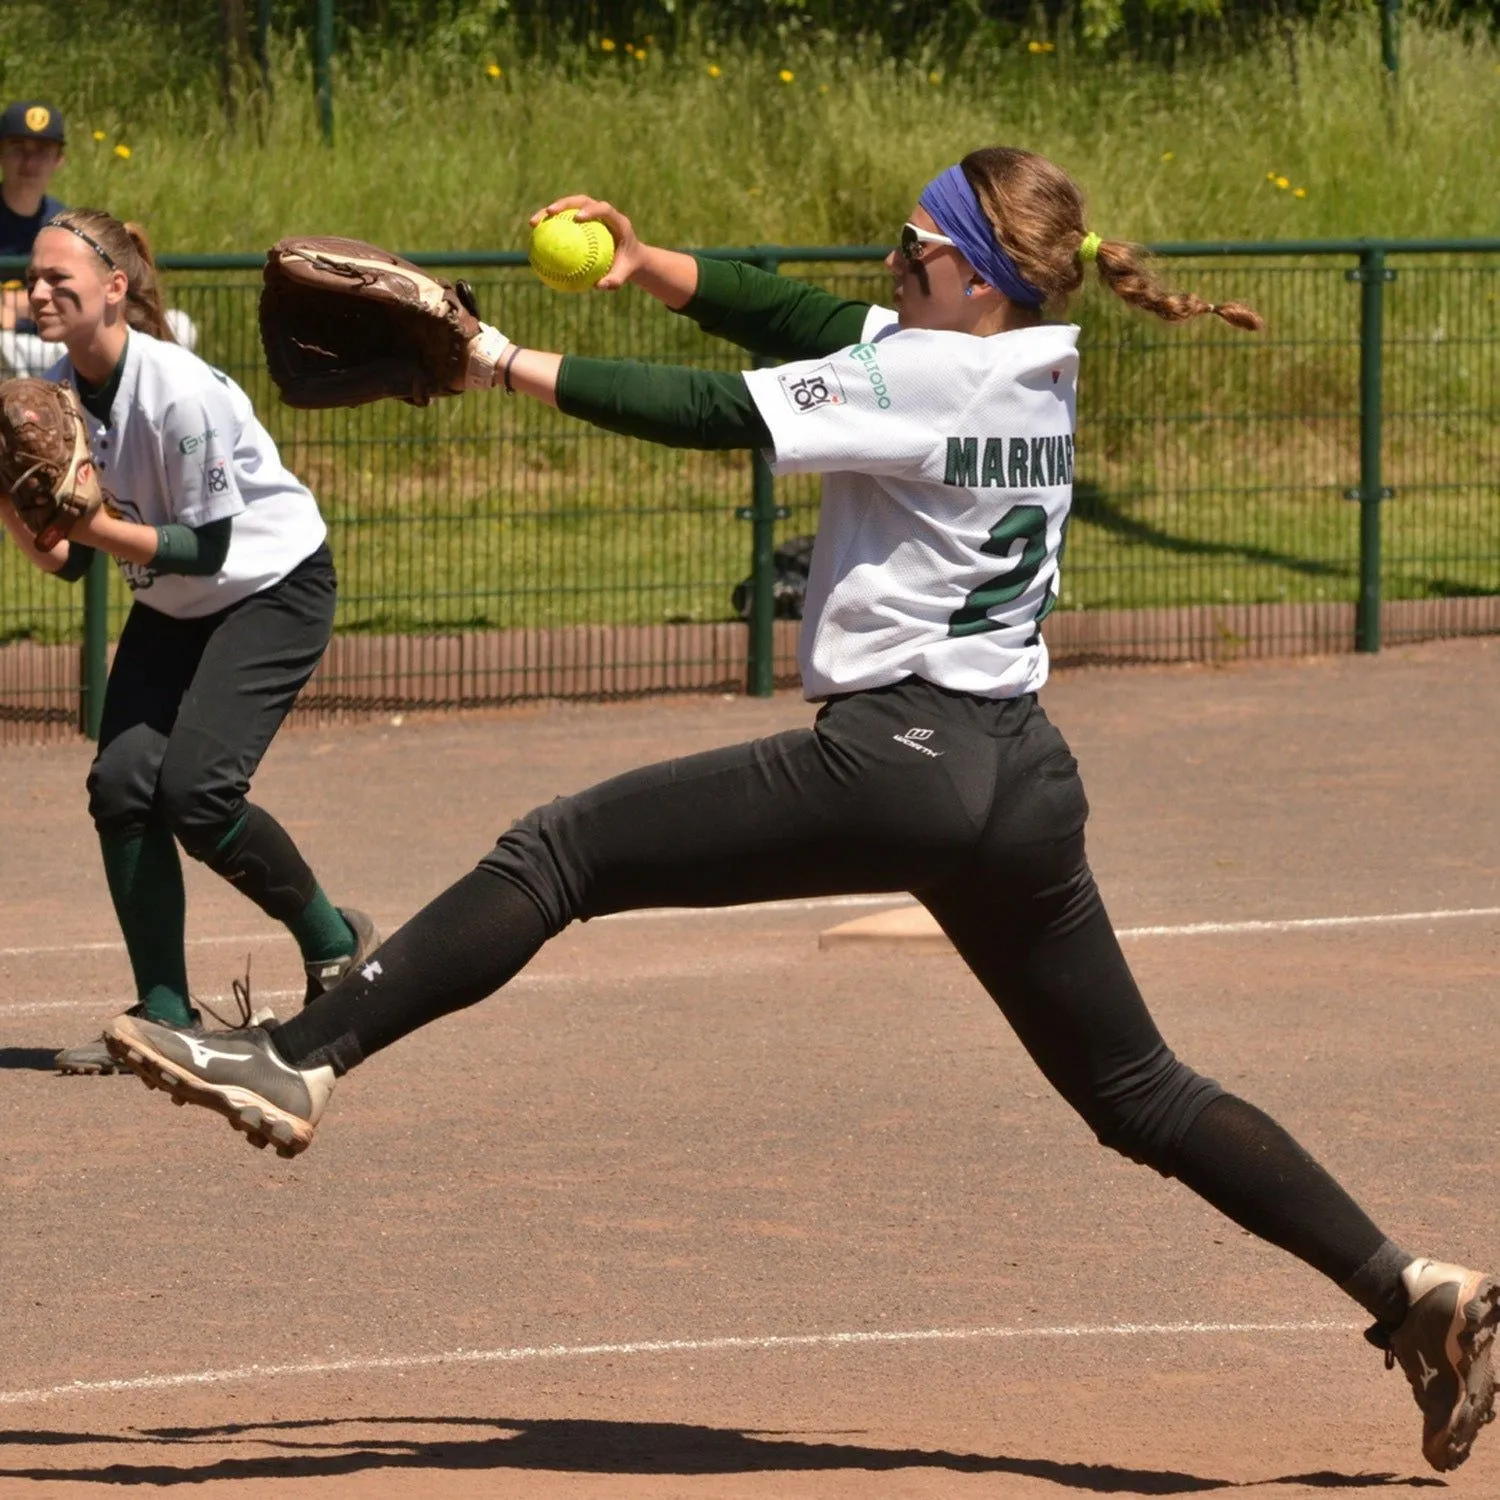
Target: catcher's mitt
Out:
[45,464]
[344,323]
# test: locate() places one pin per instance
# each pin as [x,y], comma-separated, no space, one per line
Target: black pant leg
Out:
[255,661]
[156,659]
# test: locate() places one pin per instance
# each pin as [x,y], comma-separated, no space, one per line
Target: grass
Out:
[1214,465]
[431,152]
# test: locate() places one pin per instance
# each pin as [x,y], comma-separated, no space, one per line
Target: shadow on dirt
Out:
[582,1446]
[37,1059]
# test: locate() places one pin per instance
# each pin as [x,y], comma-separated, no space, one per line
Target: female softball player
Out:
[225,553]
[944,434]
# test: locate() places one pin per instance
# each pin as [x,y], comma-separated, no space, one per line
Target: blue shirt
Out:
[17,234]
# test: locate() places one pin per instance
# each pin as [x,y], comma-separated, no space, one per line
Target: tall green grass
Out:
[433,151]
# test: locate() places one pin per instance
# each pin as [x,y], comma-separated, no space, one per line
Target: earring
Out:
[968,291]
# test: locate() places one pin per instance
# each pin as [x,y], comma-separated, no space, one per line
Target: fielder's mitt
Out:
[344,323]
[45,464]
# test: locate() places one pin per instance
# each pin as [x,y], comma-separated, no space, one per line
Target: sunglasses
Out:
[913,241]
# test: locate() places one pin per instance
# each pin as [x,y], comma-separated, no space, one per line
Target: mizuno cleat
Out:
[1444,1345]
[238,1073]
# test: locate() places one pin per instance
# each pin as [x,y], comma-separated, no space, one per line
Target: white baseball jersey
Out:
[947,463]
[184,446]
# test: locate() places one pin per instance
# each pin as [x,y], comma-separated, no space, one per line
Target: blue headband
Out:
[955,210]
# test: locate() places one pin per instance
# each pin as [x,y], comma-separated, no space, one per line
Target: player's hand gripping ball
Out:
[569,256]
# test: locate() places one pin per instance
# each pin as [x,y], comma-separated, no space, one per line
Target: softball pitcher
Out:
[943,430]
[224,551]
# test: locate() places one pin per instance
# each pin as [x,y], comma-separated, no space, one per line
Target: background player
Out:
[944,432]
[225,552]
[32,139]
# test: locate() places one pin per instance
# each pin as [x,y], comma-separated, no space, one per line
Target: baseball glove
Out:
[344,322]
[45,464]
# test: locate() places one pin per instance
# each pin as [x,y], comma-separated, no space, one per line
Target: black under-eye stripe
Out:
[88,240]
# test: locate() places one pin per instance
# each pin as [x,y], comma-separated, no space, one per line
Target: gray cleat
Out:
[93,1058]
[323,974]
[238,1073]
[1444,1346]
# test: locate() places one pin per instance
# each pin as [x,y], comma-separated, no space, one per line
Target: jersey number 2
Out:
[1026,524]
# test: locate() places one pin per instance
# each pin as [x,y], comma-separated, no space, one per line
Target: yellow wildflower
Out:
[640,54]
[1270,177]
[786,75]
[98,135]
[1283,183]
[606,45]
[1299,192]
[1037,47]
[123,151]
[630,48]
[822,88]
[1169,156]
[934,78]
[493,69]
[715,71]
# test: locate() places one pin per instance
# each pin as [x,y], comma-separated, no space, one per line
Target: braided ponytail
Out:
[1122,271]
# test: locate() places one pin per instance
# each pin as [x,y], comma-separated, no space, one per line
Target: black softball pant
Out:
[192,706]
[973,805]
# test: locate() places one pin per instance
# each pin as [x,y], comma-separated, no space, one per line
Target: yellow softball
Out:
[569,256]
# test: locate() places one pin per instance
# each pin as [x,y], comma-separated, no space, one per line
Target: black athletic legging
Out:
[975,805]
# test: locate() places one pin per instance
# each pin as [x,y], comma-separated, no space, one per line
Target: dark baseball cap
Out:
[31,120]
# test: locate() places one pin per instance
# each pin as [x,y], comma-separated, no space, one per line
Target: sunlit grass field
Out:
[1213,466]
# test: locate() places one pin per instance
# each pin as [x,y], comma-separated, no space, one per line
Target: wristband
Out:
[486,349]
[510,359]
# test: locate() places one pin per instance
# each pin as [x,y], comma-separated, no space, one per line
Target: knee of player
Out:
[200,816]
[1145,1116]
[527,856]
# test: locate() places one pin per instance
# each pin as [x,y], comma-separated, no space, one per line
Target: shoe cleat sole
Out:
[1470,1347]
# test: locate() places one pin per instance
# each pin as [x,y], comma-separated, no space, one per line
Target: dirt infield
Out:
[694,1209]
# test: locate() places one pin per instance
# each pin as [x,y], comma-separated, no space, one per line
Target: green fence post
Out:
[763,513]
[1372,275]
[95,664]
[263,41]
[323,67]
[1389,37]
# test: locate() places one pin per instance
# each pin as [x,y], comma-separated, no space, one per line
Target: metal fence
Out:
[1318,487]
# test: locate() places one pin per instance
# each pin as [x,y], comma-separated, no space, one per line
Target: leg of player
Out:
[1055,968]
[154,662]
[254,663]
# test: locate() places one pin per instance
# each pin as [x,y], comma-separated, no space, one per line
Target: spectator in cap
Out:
[31,150]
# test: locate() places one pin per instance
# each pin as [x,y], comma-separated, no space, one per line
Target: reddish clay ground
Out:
[699,1128]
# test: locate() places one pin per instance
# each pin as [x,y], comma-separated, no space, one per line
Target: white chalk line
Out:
[813,903]
[360,1364]
[1301,924]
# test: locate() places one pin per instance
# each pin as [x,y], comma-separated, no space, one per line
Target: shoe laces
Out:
[1379,1334]
[239,989]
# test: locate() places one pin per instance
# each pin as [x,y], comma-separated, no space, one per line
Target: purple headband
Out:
[955,210]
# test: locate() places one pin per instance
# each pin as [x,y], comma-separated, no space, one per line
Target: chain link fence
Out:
[1311,488]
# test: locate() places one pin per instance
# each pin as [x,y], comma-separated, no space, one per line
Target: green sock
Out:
[145,883]
[321,931]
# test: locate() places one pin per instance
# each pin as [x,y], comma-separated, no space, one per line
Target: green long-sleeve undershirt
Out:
[711,409]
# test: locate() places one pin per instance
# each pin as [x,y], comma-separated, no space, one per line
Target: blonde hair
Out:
[129,249]
[1036,213]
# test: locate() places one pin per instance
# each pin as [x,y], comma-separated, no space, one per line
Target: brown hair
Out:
[1036,212]
[127,246]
